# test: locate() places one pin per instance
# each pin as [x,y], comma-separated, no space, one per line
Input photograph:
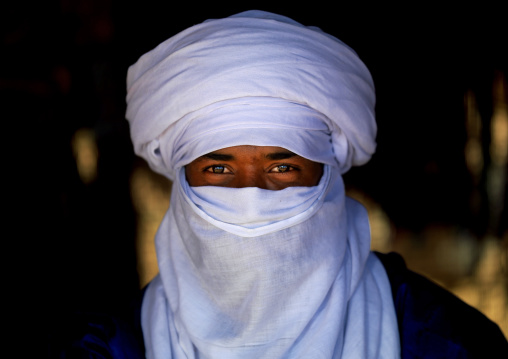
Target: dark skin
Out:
[266,167]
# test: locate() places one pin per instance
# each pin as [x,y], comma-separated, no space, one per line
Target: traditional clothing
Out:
[252,273]
[244,72]
[249,272]
[433,324]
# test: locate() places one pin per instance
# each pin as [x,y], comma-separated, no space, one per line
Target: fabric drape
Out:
[247,272]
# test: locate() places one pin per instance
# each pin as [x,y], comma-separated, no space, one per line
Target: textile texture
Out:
[229,65]
[249,272]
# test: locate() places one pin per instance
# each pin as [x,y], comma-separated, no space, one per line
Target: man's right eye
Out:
[217,169]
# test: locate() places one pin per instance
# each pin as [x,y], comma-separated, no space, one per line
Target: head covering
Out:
[221,65]
[248,272]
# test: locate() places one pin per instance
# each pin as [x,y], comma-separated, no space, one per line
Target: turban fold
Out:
[250,272]
[241,65]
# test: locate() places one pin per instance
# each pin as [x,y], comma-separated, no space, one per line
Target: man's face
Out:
[266,167]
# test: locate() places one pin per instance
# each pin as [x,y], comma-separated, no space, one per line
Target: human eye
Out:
[282,168]
[217,169]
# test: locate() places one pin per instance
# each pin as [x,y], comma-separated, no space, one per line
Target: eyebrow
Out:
[280,155]
[219,157]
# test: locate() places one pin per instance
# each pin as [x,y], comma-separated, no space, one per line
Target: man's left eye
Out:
[281,168]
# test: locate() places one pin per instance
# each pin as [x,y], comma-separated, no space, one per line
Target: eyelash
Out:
[288,168]
[210,169]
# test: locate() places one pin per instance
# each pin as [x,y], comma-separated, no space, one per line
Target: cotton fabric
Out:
[433,324]
[309,290]
[253,273]
[253,54]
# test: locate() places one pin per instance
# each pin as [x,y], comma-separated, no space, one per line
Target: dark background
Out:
[70,245]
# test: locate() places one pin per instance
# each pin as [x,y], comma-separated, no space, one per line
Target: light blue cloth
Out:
[249,56]
[309,290]
[252,273]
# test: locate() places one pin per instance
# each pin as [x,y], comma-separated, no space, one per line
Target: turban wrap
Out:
[246,67]
[249,272]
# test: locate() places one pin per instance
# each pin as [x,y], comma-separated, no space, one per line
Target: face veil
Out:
[247,272]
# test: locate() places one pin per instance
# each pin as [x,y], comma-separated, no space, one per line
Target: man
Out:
[255,118]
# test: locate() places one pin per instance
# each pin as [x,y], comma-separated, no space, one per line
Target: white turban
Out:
[253,70]
[249,272]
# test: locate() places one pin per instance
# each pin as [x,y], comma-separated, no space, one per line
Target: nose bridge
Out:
[252,177]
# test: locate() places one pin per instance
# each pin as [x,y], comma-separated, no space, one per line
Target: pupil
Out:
[218,169]
[283,168]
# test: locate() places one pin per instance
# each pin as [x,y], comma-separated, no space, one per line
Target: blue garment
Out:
[433,324]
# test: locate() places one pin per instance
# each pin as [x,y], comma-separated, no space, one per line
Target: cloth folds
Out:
[248,272]
[309,290]
[251,54]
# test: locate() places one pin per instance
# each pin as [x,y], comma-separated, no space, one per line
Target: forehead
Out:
[248,152]
[313,145]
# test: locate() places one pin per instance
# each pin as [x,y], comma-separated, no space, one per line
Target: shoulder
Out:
[433,323]
[88,335]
